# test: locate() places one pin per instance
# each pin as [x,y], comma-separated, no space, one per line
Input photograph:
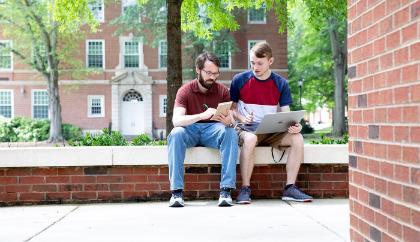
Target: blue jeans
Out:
[215,135]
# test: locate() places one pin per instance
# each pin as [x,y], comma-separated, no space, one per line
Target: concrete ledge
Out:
[150,155]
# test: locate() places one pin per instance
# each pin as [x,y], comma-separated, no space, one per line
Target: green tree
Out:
[202,20]
[330,16]
[45,35]
[310,59]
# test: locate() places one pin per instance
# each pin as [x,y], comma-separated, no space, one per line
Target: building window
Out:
[6,104]
[97,9]
[5,55]
[257,16]
[131,54]
[40,104]
[163,53]
[96,106]
[163,105]
[39,54]
[223,52]
[127,5]
[95,53]
[251,44]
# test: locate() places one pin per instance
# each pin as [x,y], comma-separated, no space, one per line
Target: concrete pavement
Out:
[263,220]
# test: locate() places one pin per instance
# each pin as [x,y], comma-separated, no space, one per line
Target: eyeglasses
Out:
[209,73]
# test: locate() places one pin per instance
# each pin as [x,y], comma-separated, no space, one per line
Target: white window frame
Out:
[33,102]
[11,56]
[12,110]
[138,54]
[230,57]
[43,51]
[162,112]
[126,3]
[250,47]
[89,110]
[160,54]
[101,18]
[256,21]
[103,53]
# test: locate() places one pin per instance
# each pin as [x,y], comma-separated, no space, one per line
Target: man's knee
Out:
[296,140]
[231,134]
[176,133]
[250,140]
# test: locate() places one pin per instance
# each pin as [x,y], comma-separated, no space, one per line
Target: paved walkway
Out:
[325,220]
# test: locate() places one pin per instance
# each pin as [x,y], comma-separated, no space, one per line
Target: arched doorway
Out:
[132,113]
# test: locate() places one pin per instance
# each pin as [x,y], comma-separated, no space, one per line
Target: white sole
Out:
[295,200]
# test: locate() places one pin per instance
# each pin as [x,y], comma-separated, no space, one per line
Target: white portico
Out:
[132,91]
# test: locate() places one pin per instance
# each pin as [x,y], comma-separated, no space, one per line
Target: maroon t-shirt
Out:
[192,99]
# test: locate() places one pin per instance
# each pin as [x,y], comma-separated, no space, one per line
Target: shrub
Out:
[106,138]
[329,140]
[25,129]
[144,139]
[306,127]
[72,133]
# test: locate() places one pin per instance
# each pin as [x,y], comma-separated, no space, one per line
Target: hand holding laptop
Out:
[294,128]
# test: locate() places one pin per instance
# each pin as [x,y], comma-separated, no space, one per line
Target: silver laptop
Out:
[274,123]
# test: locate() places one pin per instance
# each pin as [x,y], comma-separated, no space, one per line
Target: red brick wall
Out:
[384,115]
[74,103]
[134,183]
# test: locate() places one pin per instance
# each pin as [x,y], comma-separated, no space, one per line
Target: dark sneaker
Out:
[225,200]
[294,194]
[244,196]
[177,199]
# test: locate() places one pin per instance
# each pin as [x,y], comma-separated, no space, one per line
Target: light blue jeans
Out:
[215,135]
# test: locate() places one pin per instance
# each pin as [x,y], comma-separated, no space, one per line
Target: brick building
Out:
[384,118]
[129,90]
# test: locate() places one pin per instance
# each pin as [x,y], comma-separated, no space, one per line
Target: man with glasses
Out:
[195,104]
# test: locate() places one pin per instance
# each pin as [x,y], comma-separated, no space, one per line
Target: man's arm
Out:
[285,108]
[180,119]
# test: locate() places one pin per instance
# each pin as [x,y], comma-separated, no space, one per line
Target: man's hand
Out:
[208,113]
[294,129]
[248,118]
[227,120]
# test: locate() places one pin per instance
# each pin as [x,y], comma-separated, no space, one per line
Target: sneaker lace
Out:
[177,194]
[225,192]
[246,189]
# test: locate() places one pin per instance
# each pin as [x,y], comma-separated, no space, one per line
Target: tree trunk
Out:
[339,73]
[174,70]
[54,109]
[197,49]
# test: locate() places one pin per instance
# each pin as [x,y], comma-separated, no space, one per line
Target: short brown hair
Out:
[262,49]
[203,57]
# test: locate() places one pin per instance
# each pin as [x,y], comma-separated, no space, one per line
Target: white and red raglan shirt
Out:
[260,97]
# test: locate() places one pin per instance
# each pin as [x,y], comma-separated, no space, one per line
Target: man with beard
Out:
[195,104]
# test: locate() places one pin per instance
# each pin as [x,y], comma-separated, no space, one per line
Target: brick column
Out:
[384,115]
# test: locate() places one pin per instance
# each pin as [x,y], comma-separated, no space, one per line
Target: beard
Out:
[207,84]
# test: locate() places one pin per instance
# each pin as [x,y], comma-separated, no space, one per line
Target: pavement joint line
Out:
[49,226]
[316,221]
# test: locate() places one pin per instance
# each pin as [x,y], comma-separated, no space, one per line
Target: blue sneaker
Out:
[225,200]
[177,199]
[244,196]
[294,194]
